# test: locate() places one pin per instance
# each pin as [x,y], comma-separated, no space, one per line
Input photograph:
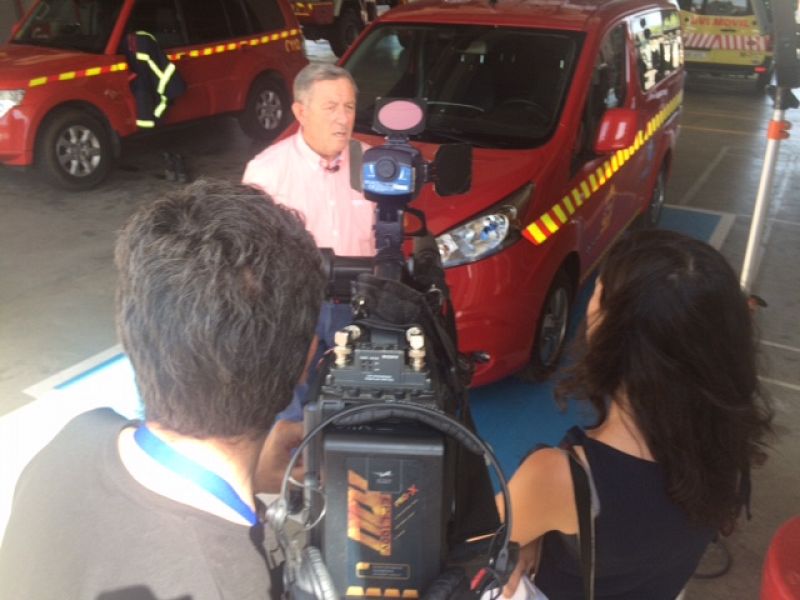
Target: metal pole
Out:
[775,133]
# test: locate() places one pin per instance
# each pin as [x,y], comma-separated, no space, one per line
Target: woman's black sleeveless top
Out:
[645,546]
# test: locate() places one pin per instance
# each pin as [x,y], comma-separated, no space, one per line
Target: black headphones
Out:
[305,575]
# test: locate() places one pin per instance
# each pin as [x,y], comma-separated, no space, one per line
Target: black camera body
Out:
[384,491]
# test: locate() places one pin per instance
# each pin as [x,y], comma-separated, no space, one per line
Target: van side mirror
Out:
[617,130]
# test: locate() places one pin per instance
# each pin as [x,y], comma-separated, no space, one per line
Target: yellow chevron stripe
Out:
[537,234]
[549,223]
[601,176]
[560,214]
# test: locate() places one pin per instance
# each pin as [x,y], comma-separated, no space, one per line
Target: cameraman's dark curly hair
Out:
[218,296]
[675,334]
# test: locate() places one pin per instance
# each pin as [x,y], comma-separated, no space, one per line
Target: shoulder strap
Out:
[582,487]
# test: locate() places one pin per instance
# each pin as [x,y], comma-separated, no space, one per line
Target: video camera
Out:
[396,479]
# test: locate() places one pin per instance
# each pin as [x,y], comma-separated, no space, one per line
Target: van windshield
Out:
[488,86]
[83,25]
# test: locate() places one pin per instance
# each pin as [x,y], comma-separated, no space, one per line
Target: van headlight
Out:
[487,233]
[9,99]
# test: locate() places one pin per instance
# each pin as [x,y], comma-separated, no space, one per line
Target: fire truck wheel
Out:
[267,111]
[762,81]
[74,150]
[345,31]
[551,332]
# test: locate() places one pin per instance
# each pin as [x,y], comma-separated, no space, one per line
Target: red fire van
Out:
[572,109]
[65,98]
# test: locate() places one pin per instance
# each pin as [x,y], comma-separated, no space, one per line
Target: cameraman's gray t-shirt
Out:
[81,527]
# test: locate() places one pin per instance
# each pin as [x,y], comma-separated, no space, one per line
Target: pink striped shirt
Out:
[336,215]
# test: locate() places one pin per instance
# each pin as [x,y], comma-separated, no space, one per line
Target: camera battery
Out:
[382,535]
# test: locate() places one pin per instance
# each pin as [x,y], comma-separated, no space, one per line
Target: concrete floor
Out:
[57,275]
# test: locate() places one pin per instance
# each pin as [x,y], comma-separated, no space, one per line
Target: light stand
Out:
[778,130]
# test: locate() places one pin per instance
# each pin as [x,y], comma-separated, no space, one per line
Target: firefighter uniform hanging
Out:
[155,81]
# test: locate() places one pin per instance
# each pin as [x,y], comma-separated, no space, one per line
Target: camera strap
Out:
[179,464]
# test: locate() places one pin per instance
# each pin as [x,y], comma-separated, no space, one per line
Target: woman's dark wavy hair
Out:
[676,335]
[218,296]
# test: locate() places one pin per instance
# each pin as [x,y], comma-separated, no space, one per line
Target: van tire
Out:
[655,207]
[74,149]
[267,111]
[345,31]
[551,330]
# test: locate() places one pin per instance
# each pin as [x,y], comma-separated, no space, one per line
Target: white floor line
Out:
[780,346]
[785,222]
[722,230]
[701,181]
[784,384]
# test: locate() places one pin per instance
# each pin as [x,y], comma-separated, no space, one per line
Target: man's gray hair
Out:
[315,72]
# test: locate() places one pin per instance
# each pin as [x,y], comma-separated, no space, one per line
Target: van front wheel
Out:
[551,331]
[74,150]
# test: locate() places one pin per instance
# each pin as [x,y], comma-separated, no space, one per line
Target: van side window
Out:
[218,20]
[658,46]
[159,18]
[265,15]
[608,89]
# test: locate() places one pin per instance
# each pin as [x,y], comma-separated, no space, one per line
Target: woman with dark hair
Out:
[668,364]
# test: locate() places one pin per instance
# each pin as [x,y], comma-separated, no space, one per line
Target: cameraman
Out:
[219,290]
[310,172]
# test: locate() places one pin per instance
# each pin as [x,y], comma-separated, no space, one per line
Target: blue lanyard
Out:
[177,463]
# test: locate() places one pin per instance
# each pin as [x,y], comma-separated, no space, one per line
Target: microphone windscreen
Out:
[356,163]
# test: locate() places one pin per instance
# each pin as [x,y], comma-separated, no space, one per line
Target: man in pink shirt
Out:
[310,172]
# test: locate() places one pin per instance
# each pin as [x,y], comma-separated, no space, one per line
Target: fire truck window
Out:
[265,15]
[207,24]
[159,18]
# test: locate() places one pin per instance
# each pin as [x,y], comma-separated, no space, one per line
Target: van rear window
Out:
[729,8]
[492,87]
[83,25]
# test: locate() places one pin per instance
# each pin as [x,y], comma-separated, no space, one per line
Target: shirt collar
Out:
[315,159]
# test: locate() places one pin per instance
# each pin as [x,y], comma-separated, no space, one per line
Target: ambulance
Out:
[728,37]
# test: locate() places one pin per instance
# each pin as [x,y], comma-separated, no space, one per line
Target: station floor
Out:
[57,275]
